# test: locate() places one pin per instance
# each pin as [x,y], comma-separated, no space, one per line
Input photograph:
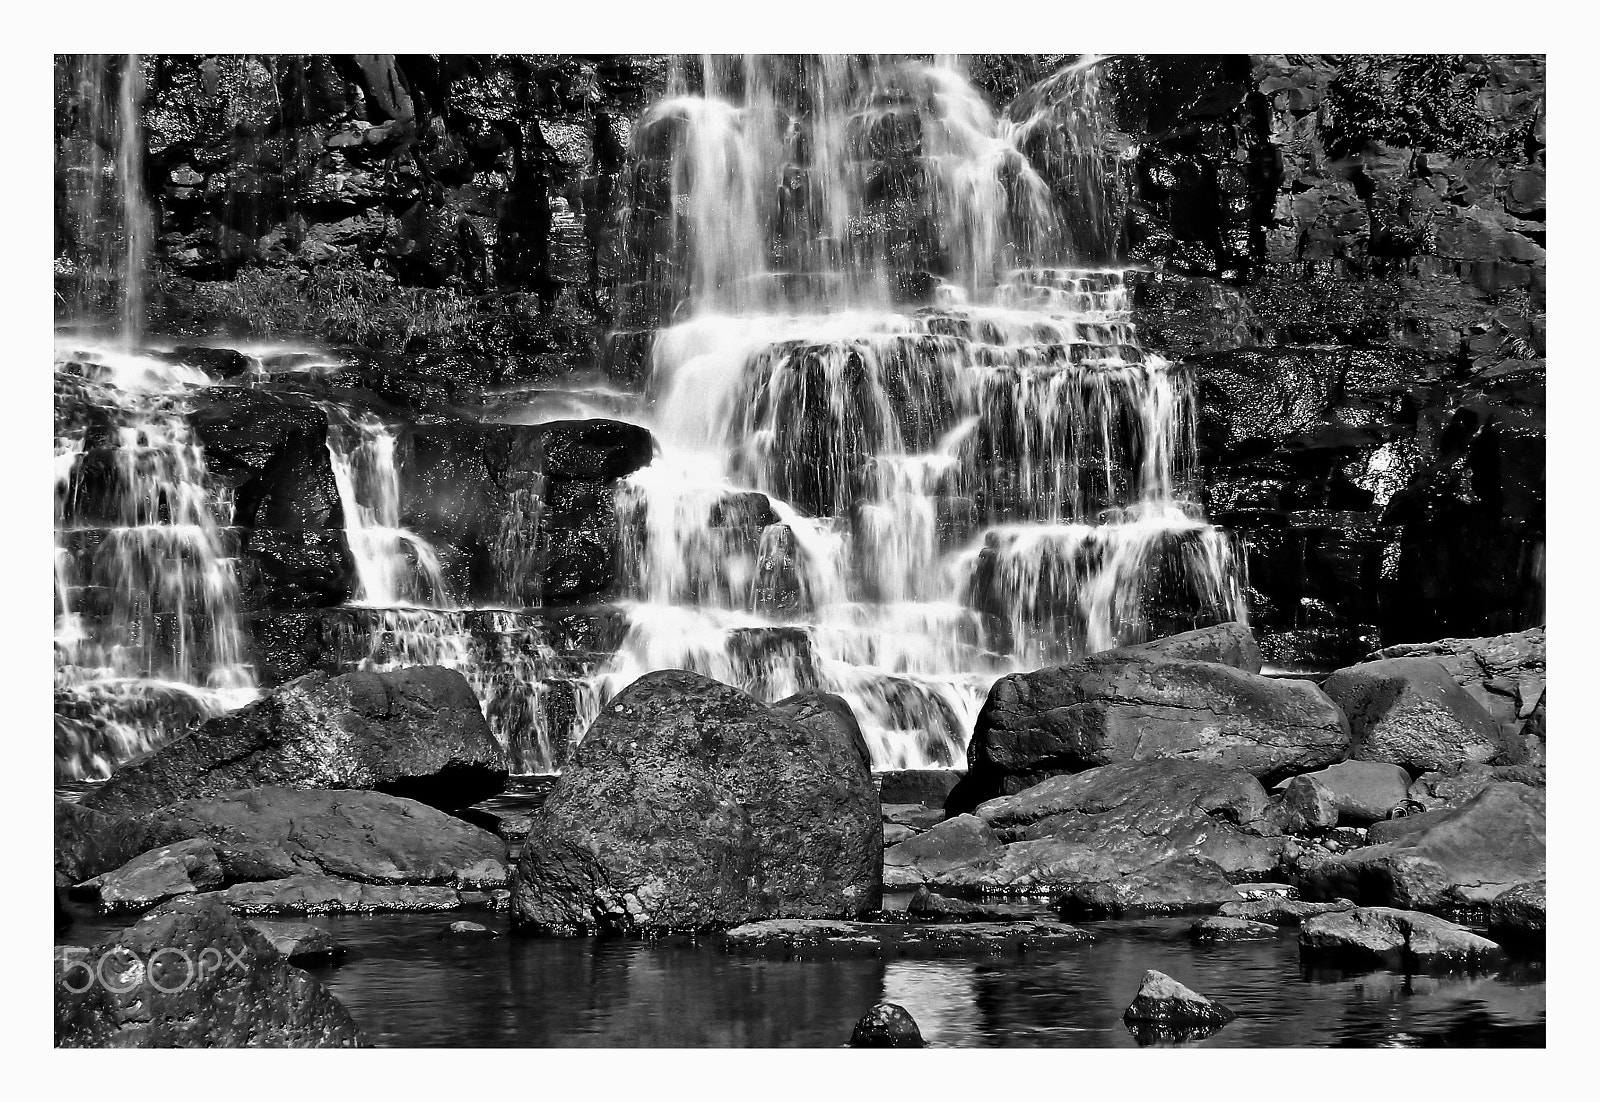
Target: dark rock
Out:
[1116,707]
[1453,786]
[932,906]
[915,817]
[1279,911]
[690,805]
[1384,937]
[1303,807]
[1444,860]
[1517,917]
[1163,1001]
[301,943]
[1216,928]
[1182,884]
[595,450]
[929,787]
[1411,712]
[1364,792]
[811,938]
[886,1025]
[1230,644]
[178,869]
[415,731]
[192,975]
[829,715]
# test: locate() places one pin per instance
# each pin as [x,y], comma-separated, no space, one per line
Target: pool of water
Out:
[409,987]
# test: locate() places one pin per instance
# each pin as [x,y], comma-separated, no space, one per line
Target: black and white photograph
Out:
[827,550]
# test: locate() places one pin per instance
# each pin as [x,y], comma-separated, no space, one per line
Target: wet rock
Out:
[315,893]
[1116,707]
[1411,712]
[89,842]
[1517,918]
[301,943]
[1303,807]
[1363,792]
[914,817]
[1443,860]
[463,929]
[1230,644]
[929,787]
[415,731]
[1385,937]
[1163,1002]
[955,843]
[1178,885]
[827,938]
[690,805]
[1279,911]
[594,449]
[190,974]
[1218,928]
[178,869]
[886,1025]
[830,715]
[932,906]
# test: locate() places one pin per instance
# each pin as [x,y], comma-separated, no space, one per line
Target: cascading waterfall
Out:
[896,504]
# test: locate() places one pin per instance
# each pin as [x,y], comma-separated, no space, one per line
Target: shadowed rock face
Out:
[192,975]
[1411,712]
[416,732]
[1123,706]
[690,805]
[1444,860]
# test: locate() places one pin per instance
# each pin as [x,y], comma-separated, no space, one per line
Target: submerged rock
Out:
[826,938]
[301,943]
[1164,1004]
[1216,928]
[1386,937]
[190,974]
[1121,706]
[462,929]
[691,805]
[1444,860]
[1411,712]
[415,731]
[886,1025]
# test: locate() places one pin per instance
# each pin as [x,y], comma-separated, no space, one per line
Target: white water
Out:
[947,492]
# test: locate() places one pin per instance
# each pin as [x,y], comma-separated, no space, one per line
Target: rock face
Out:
[1444,860]
[886,1025]
[1503,673]
[1156,835]
[1363,792]
[415,732]
[1390,938]
[1163,1001]
[192,975]
[1122,707]
[690,805]
[1517,917]
[1411,712]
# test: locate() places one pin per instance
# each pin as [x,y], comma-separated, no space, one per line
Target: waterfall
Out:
[909,442]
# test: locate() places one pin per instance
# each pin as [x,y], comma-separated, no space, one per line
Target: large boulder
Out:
[1230,644]
[416,732]
[1504,673]
[691,805]
[1385,937]
[192,975]
[1443,789]
[1411,712]
[1364,792]
[357,851]
[1122,707]
[1156,835]
[1443,860]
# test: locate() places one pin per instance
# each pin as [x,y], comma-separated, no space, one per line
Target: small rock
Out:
[886,1025]
[1266,891]
[1364,792]
[1304,807]
[1216,928]
[1163,1001]
[467,929]
[1389,938]
[301,942]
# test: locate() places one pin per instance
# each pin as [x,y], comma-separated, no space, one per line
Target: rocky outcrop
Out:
[886,1025]
[1411,712]
[690,805]
[1143,836]
[1121,707]
[1363,792]
[415,731]
[192,975]
[1384,937]
[1443,860]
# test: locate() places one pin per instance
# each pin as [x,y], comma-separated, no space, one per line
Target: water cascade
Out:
[908,441]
